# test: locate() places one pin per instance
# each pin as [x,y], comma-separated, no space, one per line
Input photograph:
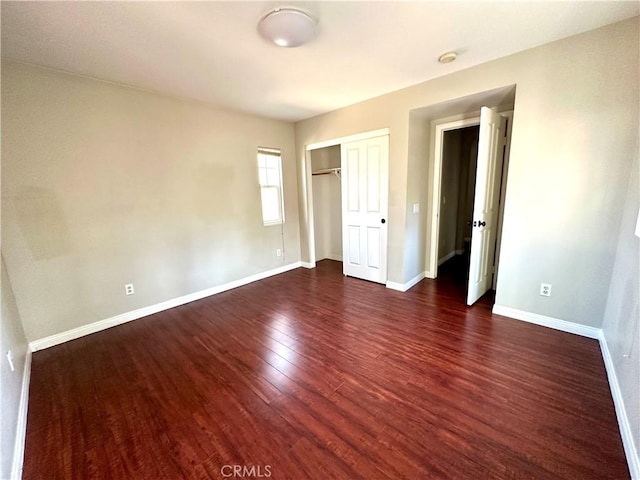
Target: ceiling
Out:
[211,51]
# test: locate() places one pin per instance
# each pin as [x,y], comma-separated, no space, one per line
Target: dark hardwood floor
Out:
[311,375]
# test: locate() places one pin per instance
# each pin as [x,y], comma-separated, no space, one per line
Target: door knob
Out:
[383,221]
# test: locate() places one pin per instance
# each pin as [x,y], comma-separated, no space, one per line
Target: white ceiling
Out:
[211,51]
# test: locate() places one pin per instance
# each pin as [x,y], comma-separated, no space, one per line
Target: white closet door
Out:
[365,180]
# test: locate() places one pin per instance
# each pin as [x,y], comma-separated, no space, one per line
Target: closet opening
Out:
[327,202]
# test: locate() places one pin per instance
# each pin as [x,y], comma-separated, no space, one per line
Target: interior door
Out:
[365,180]
[485,205]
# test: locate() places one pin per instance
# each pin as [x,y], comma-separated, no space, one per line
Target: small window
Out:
[270,176]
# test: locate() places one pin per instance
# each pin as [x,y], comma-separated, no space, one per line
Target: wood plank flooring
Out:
[311,375]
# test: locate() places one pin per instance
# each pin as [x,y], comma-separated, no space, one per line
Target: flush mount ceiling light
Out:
[448,57]
[287,27]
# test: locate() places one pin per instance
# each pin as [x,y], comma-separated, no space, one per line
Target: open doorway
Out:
[471,164]
[459,158]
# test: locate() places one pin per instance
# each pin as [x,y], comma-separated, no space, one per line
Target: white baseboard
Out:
[308,264]
[556,323]
[403,287]
[329,256]
[630,449]
[429,274]
[100,325]
[21,427]
[396,286]
[448,256]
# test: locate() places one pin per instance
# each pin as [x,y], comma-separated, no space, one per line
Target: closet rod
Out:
[326,171]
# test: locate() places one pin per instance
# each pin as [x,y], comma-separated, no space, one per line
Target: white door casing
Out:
[485,206]
[365,181]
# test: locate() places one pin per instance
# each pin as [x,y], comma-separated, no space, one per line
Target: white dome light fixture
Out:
[287,27]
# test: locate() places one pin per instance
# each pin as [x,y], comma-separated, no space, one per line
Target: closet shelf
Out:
[327,171]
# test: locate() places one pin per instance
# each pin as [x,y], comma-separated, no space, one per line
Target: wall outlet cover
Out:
[545,289]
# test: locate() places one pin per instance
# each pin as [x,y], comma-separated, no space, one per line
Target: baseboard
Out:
[100,325]
[396,286]
[21,427]
[630,449]
[459,252]
[403,287]
[307,265]
[556,323]
[448,256]
[429,274]
[329,256]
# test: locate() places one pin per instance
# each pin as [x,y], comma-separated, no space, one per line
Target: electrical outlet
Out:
[128,289]
[10,359]
[545,289]
[278,252]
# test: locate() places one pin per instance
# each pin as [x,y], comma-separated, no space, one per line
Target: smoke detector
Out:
[448,57]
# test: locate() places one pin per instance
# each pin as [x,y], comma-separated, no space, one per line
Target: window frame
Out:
[266,182]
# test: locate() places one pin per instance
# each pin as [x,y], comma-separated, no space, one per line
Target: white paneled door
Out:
[365,180]
[485,205]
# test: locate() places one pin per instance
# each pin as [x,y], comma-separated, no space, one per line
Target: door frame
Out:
[310,222]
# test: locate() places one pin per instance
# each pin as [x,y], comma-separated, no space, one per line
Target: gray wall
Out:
[621,326]
[574,130]
[105,185]
[11,338]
